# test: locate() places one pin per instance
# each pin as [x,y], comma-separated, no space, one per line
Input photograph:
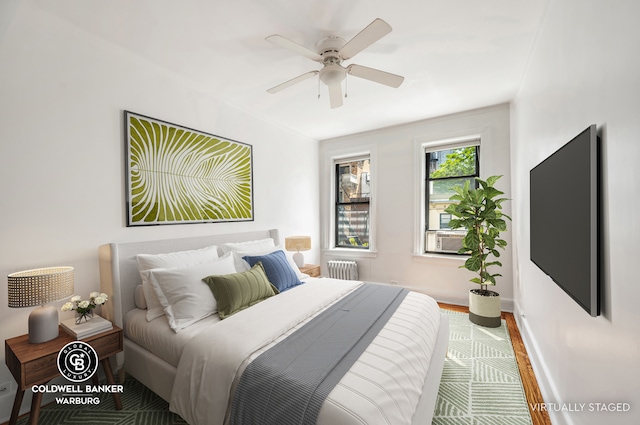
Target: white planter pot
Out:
[484,310]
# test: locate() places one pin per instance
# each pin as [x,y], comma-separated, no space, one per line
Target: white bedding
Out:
[382,387]
[157,336]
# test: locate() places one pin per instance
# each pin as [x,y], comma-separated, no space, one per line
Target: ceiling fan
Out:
[331,51]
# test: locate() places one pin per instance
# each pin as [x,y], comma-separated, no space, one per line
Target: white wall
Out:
[584,70]
[395,154]
[62,92]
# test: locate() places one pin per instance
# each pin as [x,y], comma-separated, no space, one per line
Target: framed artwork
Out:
[177,175]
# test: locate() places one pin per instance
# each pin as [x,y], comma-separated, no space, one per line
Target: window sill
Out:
[443,259]
[350,253]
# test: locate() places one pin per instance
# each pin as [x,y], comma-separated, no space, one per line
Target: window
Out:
[445,169]
[444,220]
[352,207]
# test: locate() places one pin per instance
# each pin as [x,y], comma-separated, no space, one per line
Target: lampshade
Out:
[298,243]
[29,288]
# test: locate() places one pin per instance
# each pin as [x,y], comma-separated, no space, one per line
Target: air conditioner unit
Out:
[449,241]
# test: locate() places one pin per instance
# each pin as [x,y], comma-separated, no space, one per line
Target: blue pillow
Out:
[277,268]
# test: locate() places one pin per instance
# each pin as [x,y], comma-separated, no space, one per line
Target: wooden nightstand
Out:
[312,270]
[35,364]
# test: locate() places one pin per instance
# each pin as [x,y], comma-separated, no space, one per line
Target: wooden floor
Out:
[529,382]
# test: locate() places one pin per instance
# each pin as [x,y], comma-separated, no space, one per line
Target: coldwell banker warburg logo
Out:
[77,361]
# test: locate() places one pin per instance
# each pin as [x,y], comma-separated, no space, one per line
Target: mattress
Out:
[157,337]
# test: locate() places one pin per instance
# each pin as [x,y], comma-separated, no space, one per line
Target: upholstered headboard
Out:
[119,274]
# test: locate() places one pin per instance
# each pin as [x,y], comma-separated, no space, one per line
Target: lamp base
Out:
[43,324]
[298,258]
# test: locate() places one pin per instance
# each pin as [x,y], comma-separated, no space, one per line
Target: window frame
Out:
[337,164]
[423,145]
[428,153]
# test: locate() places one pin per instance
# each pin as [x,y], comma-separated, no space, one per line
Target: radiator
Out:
[343,269]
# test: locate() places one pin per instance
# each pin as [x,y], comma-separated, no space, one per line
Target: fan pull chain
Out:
[346,79]
[318,89]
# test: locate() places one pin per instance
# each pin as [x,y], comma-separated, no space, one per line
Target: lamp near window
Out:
[30,288]
[298,243]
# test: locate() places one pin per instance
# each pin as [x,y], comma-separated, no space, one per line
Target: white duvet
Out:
[382,387]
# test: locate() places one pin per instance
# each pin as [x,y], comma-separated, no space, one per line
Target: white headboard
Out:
[119,274]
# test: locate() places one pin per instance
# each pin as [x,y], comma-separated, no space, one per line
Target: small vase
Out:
[84,317]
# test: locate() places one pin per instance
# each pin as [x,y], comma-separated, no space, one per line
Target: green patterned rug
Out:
[480,383]
[480,386]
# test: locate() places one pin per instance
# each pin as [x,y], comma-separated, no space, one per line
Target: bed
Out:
[200,367]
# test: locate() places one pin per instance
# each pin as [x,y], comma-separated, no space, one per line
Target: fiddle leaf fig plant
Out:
[479,211]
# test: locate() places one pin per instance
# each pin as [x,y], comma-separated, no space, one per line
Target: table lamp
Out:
[298,243]
[30,288]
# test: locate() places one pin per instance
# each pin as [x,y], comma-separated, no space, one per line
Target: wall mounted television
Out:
[564,231]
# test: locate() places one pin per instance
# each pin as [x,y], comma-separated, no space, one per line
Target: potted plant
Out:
[479,212]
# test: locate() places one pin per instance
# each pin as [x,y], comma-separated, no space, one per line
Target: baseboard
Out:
[543,376]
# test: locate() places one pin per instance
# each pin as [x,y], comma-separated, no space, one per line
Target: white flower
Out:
[77,303]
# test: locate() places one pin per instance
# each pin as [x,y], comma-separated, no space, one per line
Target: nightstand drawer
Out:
[40,370]
[32,364]
[107,345]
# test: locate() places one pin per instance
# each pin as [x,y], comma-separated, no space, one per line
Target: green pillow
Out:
[237,291]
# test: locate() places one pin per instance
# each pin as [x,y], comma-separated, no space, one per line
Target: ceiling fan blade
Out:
[293,81]
[294,47]
[372,33]
[375,75]
[335,95]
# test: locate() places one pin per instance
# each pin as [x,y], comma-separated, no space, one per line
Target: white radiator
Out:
[343,269]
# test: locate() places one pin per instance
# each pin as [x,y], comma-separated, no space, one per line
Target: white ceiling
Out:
[455,55]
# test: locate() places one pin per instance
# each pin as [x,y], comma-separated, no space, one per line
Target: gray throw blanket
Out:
[287,384]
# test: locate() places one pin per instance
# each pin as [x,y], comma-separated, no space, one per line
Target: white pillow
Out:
[184,296]
[171,259]
[249,246]
[242,266]
[139,298]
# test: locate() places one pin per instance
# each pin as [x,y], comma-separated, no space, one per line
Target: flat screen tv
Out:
[564,229]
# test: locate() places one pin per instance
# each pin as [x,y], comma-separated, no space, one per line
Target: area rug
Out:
[480,384]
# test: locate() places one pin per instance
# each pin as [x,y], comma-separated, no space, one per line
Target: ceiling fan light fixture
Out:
[332,74]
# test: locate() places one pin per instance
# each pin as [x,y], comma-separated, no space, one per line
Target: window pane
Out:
[353,225]
[453,162]
[438,220]
[445,218]
[354,181]
[441,190]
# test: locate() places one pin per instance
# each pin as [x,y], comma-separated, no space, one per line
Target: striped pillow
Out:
[277,268]
[235,292]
